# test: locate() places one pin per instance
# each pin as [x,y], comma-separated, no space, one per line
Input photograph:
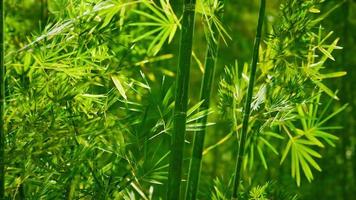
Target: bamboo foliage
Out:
[181,100]
[247,107]
[206,87]
[92,112]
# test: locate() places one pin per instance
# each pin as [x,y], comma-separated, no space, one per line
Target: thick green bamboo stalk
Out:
[247,108]
[2,104]
[181,101]
[199,136]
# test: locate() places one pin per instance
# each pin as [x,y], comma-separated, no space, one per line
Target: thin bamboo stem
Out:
[181,101]
[44,13]
[247,108]
[2,103]
[349,95]
[199,136]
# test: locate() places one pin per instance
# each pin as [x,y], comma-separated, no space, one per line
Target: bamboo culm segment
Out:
[199,136]
[247,107]
[181,101]
[2,103]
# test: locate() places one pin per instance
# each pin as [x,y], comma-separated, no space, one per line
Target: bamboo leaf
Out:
[269,145]
[119,86]
[262,157]
[326,90]
[327,53]
[286,151]
[333,75]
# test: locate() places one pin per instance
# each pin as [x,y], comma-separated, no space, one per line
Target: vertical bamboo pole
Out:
[348,95]
[199,136]
[247,107]
[44,14]
[2,104]
[181,101]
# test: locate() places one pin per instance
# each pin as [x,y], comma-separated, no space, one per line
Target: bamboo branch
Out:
[247,108]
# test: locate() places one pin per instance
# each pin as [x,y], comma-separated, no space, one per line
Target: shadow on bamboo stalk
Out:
[247,107]
[181,101]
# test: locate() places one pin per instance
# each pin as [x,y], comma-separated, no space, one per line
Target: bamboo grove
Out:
[187,99]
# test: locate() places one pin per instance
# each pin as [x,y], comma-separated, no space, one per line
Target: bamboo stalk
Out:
[44,13]
[247,108]
[181,101]
[2,104]
[199,136]
[349,92]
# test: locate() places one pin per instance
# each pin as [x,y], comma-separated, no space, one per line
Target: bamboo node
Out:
[189,7]
[180,113]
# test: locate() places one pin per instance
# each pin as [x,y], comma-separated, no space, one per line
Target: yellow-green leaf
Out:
[326,89]
[119,86]
[333,75]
